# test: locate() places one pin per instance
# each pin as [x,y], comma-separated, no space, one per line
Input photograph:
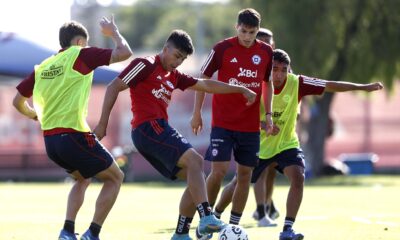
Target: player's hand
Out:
[249,95]
[269,126]
[100,131]
[373,86]
[108,27]
[196,123]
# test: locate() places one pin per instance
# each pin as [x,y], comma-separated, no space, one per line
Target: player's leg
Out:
[192,169]
[225,198]
[246,147]
[269,189]
[259,194]
[187,210]
[241,193]
[215,178]
[293,167]
[219,153]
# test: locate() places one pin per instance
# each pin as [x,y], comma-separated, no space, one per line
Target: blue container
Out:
[359,163]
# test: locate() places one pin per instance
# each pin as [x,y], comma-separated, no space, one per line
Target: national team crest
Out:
[256,59]
[170,84]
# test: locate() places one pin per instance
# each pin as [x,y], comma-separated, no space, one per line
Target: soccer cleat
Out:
[181,237]
[255,215]
[65,235]
[290,235]
[266,222]
[210,224]
[88,236]
[200,236]
[273,213]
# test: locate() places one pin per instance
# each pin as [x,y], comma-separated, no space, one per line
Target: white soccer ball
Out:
[233,232]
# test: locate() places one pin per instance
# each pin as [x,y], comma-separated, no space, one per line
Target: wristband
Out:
[268,113]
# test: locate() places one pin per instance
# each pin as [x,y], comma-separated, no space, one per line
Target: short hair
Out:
[281,56]
[181,40]
[264,32]
[249,17]
[69,30]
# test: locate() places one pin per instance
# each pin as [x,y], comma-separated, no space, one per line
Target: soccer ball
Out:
[232,232]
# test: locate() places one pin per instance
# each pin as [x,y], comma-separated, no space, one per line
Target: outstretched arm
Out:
[110,97]
[21,104]
[121,51]
[336,86]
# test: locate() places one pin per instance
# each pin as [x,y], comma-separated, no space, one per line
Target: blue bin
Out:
[359,163]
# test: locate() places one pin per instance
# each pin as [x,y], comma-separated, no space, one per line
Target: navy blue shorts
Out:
[161,145]
[78,151]
[245,146]
[289,157]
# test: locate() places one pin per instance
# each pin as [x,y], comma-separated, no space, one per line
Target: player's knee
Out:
[219,173]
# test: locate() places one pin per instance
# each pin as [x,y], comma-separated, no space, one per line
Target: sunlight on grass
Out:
[333,208]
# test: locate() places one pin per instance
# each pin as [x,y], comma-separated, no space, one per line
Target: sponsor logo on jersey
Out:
[247,73]
[234,81]
[160,93]
[256,59]
[52,72]
[234,60]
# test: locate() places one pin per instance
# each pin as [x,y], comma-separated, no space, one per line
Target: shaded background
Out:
[354,40]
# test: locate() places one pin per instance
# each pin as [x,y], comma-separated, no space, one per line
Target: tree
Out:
[353,40]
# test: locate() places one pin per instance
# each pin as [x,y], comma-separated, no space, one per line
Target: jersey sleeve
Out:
[214,60]
[25,87]
[184,81]
[310,86]
[138,70]
[94,57]
[268,71]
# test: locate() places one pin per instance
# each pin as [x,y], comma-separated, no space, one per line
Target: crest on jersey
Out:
[256,59]
[170,84]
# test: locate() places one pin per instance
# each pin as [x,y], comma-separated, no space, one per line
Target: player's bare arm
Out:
[21,104]
[336,86]
[122,51]
[212,86]
[196,121]
[268,91]
[111,95]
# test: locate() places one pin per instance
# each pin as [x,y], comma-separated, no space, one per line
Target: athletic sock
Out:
[261,211]
[95,229]
[288,223]
[218,213]
[235,218]
[69,226]
[204,209]
[183,225]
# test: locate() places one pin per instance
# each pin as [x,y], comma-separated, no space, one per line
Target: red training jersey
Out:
[238,65]
[151,87]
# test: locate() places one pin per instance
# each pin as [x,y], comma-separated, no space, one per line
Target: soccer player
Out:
[241,60]
[60,87]
[151,81]
[266,211]
[282,146]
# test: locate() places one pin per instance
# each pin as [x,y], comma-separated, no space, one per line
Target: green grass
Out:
[337,208]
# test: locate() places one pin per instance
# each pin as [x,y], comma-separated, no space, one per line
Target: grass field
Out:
[337,208]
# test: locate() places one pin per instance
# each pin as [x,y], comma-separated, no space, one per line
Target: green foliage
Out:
[352,40]
[148,23]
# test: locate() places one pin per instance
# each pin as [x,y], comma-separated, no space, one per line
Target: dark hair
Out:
[181,40]
[264,32]
[69,30]
[281,56]
[249,17]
